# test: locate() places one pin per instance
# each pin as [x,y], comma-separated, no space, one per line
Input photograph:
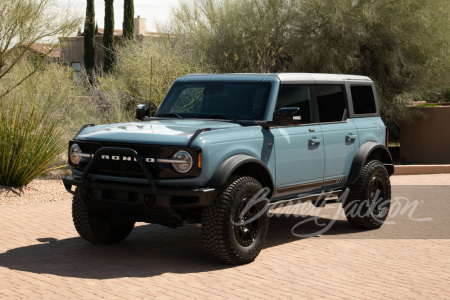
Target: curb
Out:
[420,169]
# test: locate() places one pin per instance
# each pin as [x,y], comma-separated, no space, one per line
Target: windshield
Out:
[216,100]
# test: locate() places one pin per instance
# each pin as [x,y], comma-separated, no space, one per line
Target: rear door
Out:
[340,136]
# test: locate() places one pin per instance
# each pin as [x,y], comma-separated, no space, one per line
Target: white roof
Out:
[319,77]
[302,78]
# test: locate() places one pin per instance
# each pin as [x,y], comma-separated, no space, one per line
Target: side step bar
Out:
[317,199]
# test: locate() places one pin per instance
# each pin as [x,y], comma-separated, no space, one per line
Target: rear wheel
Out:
[97,228]
[367,205]
[234,230]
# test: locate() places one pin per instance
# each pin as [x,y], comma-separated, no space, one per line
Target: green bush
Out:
[35,123]
[436,95]
[30,142]
[428,105]
[239,35]
[144,72]
[110,103]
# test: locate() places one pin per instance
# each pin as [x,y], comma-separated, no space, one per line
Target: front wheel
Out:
[234,230]
[367,205]
[97,228]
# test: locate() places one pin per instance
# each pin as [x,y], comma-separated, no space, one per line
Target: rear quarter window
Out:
[363,99]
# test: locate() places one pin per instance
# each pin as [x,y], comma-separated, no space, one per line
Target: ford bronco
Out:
[223,148]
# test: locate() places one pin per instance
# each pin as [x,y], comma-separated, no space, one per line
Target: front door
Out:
[298,148]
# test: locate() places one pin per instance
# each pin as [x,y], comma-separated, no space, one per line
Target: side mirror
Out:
[286,116]
[283,117]
[142,111]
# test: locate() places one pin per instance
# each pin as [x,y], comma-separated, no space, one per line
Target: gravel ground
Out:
[38,191]
[51,190]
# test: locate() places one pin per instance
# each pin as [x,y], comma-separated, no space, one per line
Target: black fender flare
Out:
[232,163]
[368,149]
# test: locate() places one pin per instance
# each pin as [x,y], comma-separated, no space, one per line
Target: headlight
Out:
[185,161]
[74,150]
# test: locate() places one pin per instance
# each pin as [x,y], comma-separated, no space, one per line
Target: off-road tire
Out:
[96,228]
[361,209]
[230,243]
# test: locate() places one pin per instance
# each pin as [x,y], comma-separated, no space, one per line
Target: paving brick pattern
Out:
[41,256]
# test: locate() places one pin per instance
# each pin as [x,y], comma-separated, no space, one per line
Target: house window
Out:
[76,67]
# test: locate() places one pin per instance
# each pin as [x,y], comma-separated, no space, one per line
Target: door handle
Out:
[351,137]
[313,141]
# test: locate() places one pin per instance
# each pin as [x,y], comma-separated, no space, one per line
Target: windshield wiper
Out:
[173,115]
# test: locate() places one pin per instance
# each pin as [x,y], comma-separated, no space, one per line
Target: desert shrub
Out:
[436,95]
[111,103]
[35,122]
[239,35]
[143,73]
[30,142]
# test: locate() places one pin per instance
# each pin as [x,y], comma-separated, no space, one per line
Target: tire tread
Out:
[357,191]
[215,222]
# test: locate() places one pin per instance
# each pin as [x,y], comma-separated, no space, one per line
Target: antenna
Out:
[151,79]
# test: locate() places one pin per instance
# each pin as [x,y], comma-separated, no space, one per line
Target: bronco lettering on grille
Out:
[125,158]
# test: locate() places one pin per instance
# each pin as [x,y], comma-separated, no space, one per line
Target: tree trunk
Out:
[89,40]
[108,36]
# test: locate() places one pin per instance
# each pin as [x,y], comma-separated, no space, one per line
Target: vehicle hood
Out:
[158,131]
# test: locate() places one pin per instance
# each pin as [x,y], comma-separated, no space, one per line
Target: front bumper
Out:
[174,197]
[141,202]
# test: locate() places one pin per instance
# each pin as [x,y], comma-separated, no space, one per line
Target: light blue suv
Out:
[223,148]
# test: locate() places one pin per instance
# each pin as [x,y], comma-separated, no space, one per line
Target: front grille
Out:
[122,168]
[142,150]
[131,168]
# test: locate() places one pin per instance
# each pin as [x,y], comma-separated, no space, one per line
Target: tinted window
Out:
[296,96]
[363,99]
[331,102]
[239,100]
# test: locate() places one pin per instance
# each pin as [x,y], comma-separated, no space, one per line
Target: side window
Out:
[299,96]
[363,99]
[331,102]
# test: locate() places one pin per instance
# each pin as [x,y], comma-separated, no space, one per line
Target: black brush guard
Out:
[143,202]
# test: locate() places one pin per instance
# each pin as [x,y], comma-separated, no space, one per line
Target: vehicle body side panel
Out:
[340,145]
[297,159]
[370,129]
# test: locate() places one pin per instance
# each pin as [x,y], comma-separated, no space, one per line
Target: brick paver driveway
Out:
[41,256]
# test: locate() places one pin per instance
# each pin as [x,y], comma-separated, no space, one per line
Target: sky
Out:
[152,10]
